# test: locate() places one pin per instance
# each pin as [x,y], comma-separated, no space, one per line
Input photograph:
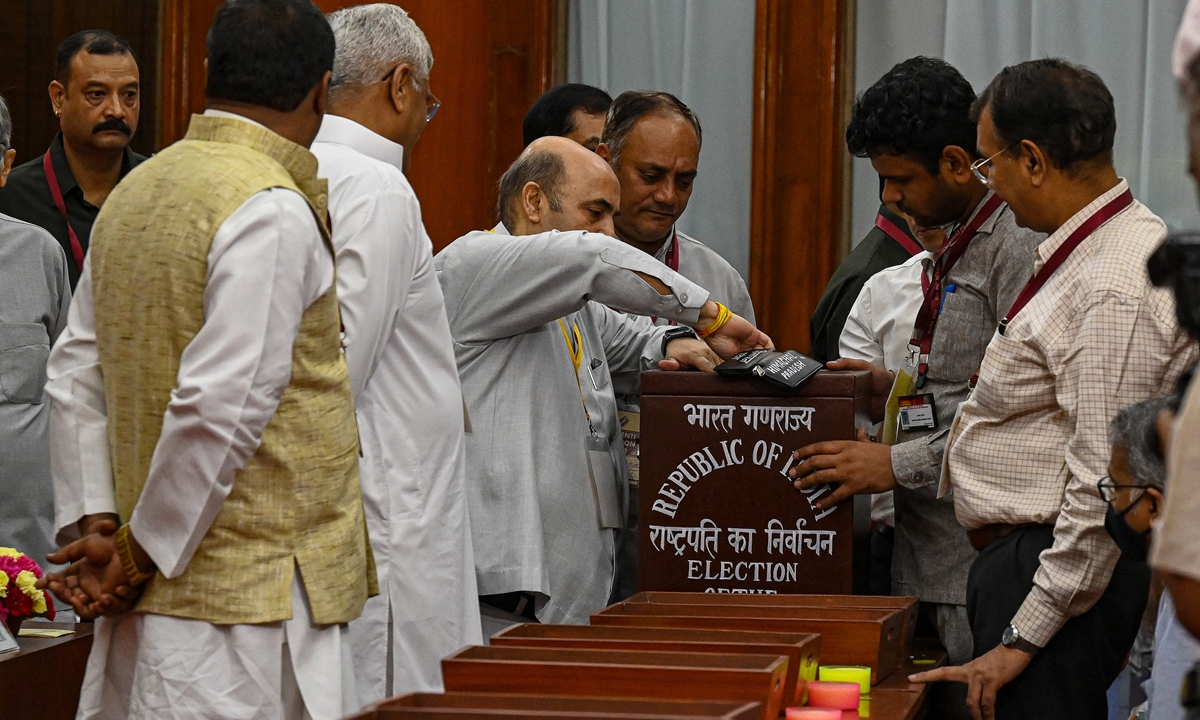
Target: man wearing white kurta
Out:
[229,623]
[398,347]
[535,341]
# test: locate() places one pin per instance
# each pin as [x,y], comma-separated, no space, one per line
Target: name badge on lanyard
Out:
[917,412]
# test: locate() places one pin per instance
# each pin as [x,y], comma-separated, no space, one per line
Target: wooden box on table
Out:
[848,636]
[907,604]
[717,512]
[620,674]
[801,650]
[549,707]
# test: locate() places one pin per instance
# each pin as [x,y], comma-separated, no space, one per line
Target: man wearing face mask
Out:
[1134,491]
[96,95]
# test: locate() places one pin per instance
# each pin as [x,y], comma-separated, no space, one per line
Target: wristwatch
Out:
[1012,640]
[674,334]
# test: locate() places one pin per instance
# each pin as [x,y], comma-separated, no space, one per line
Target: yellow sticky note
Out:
[44,633]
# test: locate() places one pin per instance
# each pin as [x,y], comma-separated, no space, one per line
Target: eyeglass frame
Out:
[431,108]
[1108,490]
[978,166]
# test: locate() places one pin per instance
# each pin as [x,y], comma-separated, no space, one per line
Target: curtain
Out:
[1127,42]
[701,51]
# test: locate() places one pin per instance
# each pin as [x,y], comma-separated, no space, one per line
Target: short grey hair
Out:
[371,40]
[5,127]
[633,105]
[1135,429]
[544,167]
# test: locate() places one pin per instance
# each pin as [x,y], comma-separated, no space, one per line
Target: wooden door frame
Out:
[800,172]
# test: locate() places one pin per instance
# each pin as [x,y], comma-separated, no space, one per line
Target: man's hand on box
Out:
[687,353]
[853,467]
[737,335]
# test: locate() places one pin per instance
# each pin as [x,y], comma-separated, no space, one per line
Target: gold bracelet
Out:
[723,316]
[134,573]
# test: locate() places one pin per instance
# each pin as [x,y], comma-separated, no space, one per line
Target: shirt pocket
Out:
[960,338]
[24,351]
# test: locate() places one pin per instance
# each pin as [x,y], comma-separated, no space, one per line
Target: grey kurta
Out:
[34,297]
[932,554]
[533,515]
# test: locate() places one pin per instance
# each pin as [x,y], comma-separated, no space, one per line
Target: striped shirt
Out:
[1030,444]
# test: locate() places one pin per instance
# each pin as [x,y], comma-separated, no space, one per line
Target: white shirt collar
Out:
[233,116]
[344,131]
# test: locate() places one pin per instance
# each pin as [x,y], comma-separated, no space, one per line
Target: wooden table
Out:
[42,680]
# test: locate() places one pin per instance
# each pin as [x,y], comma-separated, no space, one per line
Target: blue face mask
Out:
[1134,545]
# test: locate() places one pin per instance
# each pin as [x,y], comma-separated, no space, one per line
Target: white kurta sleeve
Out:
[266,266]
[499,285]
[79,458]
[377,242]
[859,340]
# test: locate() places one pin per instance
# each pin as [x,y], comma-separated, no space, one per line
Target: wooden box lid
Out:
[458,705]
[826,383]
[619,673]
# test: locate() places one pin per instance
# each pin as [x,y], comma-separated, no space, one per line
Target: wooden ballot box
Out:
[907,604]
[619,674]
[550,707]
[848,636]
[801,650]
[717,512]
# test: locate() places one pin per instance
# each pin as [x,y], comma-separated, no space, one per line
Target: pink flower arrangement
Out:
[19,598]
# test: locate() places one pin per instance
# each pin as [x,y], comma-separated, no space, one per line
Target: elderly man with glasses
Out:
[397,340]
[34,297]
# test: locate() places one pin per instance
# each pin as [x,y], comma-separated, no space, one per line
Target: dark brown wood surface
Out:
[33,30]
[803,78]
[908,604]
[848,637]
[453,704]
[717,512]
[802,651]
[492,58]
[42,680]
[627,674]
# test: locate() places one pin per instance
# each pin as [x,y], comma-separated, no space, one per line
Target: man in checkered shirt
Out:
[1054,608]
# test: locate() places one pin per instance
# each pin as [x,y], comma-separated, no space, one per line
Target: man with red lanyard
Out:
[652,141]
[1054,607]
[915,125]
[96,96]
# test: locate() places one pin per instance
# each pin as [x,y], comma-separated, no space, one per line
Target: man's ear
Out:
[1155,496]
[604,153]
[1034,162]
[58,94]
[531,202]
[6,163]
[957,163]
[321,96]
[401,87]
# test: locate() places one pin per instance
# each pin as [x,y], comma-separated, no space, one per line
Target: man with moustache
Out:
[915,126]
[573,111]
[652,140]
[96,95]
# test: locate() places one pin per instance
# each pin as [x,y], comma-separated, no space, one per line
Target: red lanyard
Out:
[1063,252]
[898,235]
[672,262]
[931,310]
[56,193]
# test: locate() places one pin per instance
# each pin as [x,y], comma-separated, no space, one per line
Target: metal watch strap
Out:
[674,334]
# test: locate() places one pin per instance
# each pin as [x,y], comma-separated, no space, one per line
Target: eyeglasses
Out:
[1108,489]
[432,104]
[983,168]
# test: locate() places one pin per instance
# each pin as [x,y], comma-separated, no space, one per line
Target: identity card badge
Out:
[917,412]
[604,485]
[902,386]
